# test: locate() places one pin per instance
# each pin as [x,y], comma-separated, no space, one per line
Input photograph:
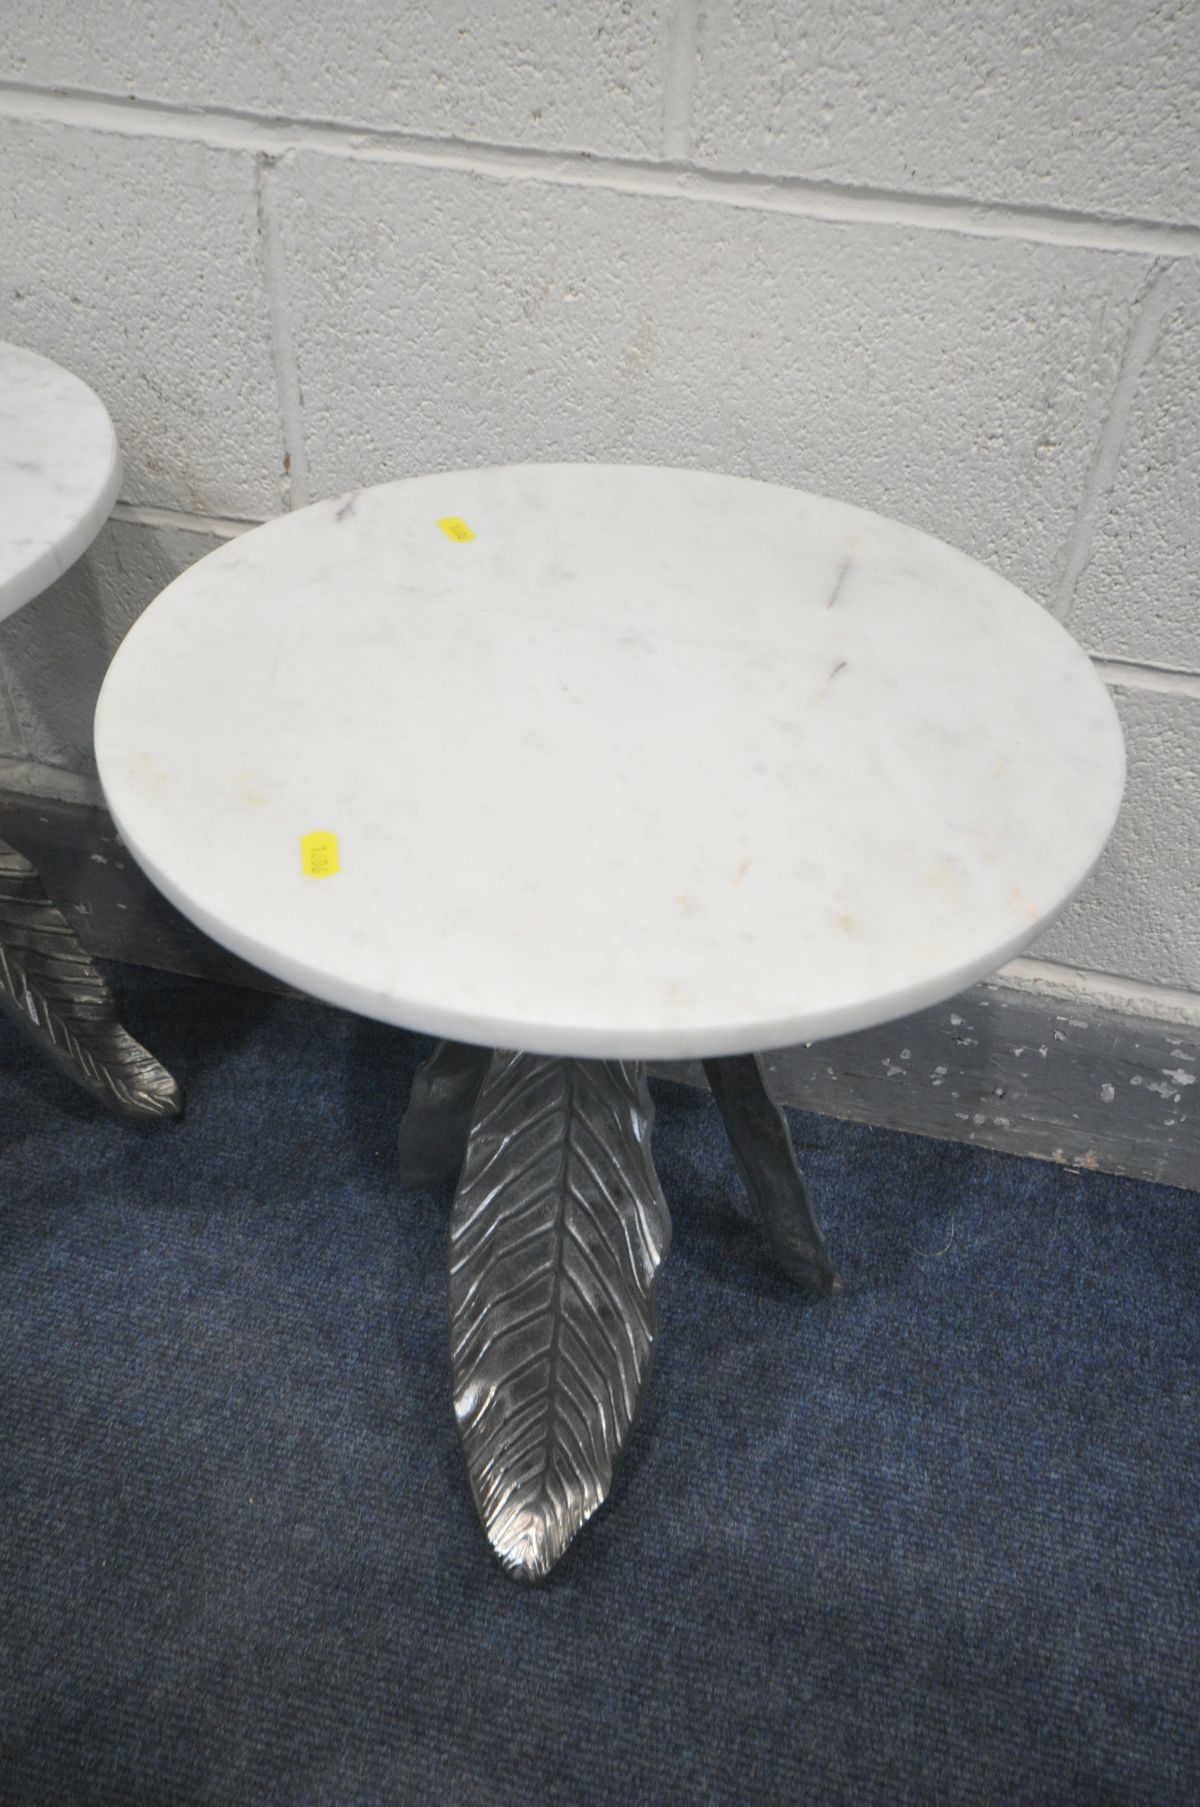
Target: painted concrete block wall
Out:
[137,263]
[583,77]
[1138,595]
[1042,102]
[942,261]
[493,320]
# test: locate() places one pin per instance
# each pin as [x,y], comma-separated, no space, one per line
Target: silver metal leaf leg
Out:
[558,1229]
[762,1147]
[435,1127]
[50,988]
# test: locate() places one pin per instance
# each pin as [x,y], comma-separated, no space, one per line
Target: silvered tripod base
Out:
[558,1229]
[51,990]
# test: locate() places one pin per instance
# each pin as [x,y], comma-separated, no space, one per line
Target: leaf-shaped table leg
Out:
[52,991]
[558,1229]
[435,1127]
[762,1147]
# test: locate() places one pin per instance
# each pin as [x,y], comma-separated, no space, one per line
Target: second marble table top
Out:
[60,472]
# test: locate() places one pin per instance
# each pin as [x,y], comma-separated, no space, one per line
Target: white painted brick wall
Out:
[1139,595]
[959,383]
[580,74]
[137,263]
[1138,914]
[942,261]
[1049,102]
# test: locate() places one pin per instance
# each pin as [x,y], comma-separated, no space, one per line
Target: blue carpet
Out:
[935,1541]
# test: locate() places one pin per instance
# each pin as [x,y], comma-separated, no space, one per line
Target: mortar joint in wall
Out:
[277,137]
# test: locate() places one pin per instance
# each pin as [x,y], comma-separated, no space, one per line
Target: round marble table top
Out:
[607,760]
[60,471]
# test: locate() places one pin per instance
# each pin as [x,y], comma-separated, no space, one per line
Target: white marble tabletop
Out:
[617,761]
[60,472]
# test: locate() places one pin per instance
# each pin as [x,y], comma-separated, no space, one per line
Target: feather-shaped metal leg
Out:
[435,1127]
[762,1147]
[52,991]
[559,1227]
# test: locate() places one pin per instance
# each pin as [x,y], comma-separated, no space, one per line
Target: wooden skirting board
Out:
[1004,1068]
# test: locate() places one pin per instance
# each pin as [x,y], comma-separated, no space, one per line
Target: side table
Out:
[60,472]
[574,766]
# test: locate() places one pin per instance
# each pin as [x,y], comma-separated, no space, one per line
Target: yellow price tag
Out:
[454,529]
[319,854]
